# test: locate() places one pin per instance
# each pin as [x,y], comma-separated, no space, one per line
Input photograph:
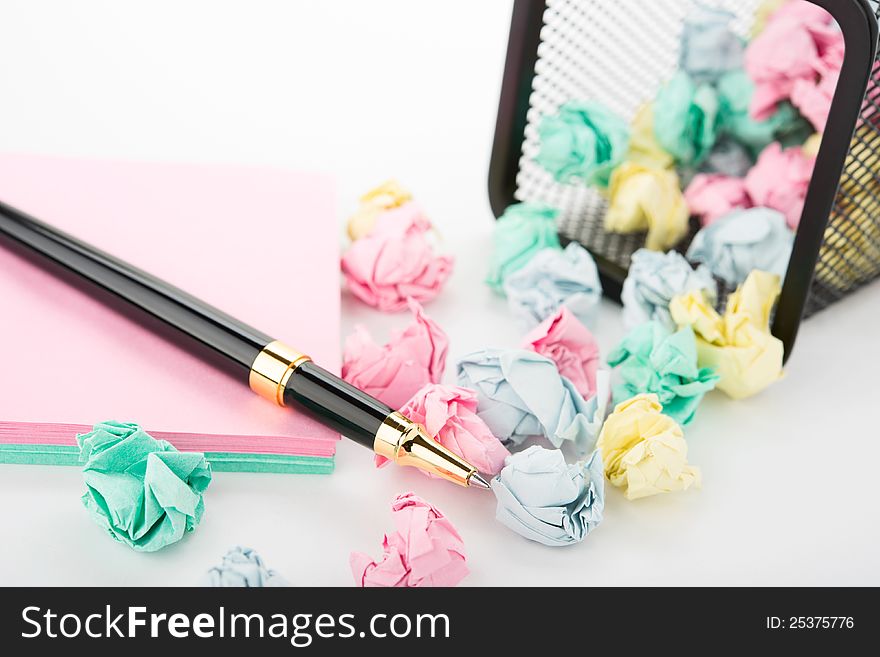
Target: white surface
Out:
[379,89]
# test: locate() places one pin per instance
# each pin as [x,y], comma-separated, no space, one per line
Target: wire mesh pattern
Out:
[850,254]
[620,54]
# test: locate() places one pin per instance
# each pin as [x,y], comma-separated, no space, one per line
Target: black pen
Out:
[271,368]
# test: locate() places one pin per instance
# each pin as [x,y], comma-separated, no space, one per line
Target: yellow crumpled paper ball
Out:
[643,146]
[644,451]
[762,14]
[811,146]
[851,249]
[738,345]
[386,196]
[644,198]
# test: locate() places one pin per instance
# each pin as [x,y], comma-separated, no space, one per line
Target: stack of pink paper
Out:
[249,241]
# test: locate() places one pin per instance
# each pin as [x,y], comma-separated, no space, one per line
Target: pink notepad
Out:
[260,244]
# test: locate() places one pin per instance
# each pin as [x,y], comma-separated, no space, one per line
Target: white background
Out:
[367,91]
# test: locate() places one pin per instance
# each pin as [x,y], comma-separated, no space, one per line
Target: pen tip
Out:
[477,480]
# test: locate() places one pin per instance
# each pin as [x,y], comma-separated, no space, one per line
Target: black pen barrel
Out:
[237,343]
[336,403]
[273,369]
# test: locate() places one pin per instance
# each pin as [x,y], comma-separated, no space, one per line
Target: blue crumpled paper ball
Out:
[583,142]
[143,491]
[242,567]
[554,278]
[653,279]
[544,499]
[709,48]
[743,240]
[522,231]
[653,359]
[727,157]
[521,394]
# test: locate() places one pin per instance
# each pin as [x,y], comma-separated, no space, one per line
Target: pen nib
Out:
[476,480]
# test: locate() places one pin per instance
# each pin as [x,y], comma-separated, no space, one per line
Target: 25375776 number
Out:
[810,623]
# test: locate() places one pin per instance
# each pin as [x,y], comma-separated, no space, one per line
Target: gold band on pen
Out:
[407,443]
[272,368]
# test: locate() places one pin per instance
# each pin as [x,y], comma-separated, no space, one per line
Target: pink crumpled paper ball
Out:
[426,550]
[799,46]
[394,372]
[779,180]
[567,342]
[395,261]
[813,99]
[449,413]
[713,195]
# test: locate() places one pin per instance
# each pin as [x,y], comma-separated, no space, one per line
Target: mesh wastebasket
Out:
[619,53]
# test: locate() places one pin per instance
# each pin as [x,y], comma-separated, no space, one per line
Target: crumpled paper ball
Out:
[554,278]
[711,195]
[813,143]
[394,372]
[813,99]
[739,345]
[426,550]
[780,179]
[851,248]
[785,124]
[652,359]
[582,142]
[850,251]
[141,490]
[449,413]
[708,46]
[568,343]
[521,394]
[523,230]
[685,118]
[728,157]
[743,240]
[644,451]
[643,146]
[762,14]
[653,280]
[386,196]
[647,199]
[544,499]
[800,44]
[396,261]
[242,567]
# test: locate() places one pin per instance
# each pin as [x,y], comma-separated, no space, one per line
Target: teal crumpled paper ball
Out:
[143,491]
[583,142]
[786,125]
[545,499]
[686,119]
[523,230]
[653,359]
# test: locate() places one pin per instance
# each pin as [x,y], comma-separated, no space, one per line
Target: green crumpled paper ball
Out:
[523,230]
[653,359]
[143,491]
[582,142]
[686,119]
[786,125]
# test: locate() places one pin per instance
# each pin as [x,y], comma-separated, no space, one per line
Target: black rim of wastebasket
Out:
[859,28]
